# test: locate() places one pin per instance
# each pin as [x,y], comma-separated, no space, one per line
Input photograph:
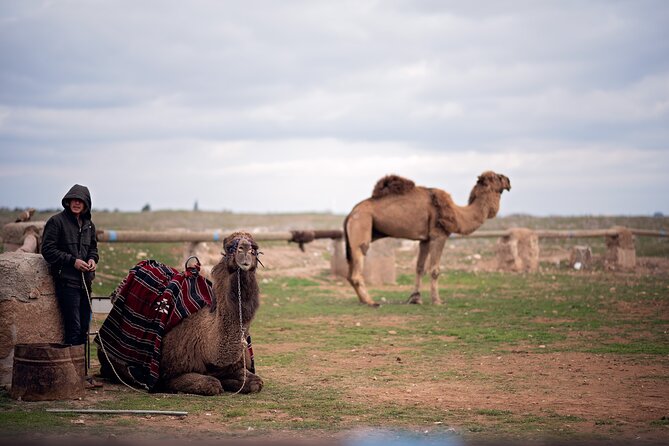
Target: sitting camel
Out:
[205,353]
[398,208]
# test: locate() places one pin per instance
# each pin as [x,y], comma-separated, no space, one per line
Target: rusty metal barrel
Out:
[48,372]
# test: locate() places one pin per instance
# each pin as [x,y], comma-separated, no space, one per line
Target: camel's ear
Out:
[485,178]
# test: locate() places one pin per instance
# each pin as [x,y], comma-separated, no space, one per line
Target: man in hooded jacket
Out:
[70,246]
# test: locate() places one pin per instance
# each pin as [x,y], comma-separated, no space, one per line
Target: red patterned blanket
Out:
[151,300]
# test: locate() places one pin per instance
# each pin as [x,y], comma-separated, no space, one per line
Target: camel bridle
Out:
[232,248]
[241,328]
[102,345]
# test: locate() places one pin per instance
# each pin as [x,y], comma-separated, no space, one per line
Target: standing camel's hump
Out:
[392,185]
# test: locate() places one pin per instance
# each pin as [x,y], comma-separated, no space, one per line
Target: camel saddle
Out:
[150,301]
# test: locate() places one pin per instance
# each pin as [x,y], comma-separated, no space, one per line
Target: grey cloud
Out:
[427,77]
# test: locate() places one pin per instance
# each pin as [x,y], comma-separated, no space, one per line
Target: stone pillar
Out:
[518,251]
[379,266]
[620,250]
[28,308]
[22,235]
[580,257]
[338,263]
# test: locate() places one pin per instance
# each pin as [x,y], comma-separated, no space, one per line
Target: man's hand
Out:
[81,265]
[92,265]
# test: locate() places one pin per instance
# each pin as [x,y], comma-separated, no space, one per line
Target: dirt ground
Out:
[623,394]
[626,389]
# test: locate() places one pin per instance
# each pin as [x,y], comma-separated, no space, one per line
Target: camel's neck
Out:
[469,218]
[228,291]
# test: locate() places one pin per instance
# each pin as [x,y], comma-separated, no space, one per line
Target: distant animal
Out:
[398,208]
[205,353]
[25,215]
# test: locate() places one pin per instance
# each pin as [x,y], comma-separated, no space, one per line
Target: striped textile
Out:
[150,301]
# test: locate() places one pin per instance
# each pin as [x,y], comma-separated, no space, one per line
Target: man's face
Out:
[77,206]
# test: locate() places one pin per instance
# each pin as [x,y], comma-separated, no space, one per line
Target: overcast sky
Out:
[302,105]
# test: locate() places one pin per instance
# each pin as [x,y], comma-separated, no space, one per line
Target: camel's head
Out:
[490,182]
[494,182]
[240,251]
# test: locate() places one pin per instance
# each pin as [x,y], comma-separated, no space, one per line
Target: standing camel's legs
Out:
[415,297]
[358,238]
[436,248]
[356,278]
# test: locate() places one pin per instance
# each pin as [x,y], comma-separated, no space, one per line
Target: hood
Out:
[82,193]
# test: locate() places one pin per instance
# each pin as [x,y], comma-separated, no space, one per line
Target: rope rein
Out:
[102,345]
[241,328]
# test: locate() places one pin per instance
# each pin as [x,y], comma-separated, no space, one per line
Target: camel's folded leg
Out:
[195,383]
[234,382]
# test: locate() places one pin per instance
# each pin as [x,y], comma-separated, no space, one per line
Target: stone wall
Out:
[28,309]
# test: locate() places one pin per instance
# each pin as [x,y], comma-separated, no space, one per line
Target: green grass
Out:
[483,313]
[118,258]
[328,361]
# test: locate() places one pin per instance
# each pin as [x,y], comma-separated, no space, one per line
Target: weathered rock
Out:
[518,251]
[28,308]
[14,235]
[620,250]
[338,264]
[580,257]
[380,267]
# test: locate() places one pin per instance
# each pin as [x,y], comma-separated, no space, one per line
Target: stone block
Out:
[580,257]
[29,311]
[518,251]
[14,235]
[379,268]
[620,249]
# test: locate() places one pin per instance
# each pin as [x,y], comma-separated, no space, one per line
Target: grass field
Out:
[559,355]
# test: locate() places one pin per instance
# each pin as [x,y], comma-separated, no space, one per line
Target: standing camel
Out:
[398,208]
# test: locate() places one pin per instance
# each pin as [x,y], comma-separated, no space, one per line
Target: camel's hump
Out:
[392,185]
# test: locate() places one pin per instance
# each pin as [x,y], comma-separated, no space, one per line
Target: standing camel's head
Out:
[489,183]
[240,251]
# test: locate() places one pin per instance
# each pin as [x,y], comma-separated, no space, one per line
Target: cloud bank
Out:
[302,105]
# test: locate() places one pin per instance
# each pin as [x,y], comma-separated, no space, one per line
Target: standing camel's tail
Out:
[346,243]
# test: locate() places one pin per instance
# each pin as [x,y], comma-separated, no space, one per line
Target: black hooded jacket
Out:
[64,241]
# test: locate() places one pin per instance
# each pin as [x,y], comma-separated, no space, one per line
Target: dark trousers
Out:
[76,312]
